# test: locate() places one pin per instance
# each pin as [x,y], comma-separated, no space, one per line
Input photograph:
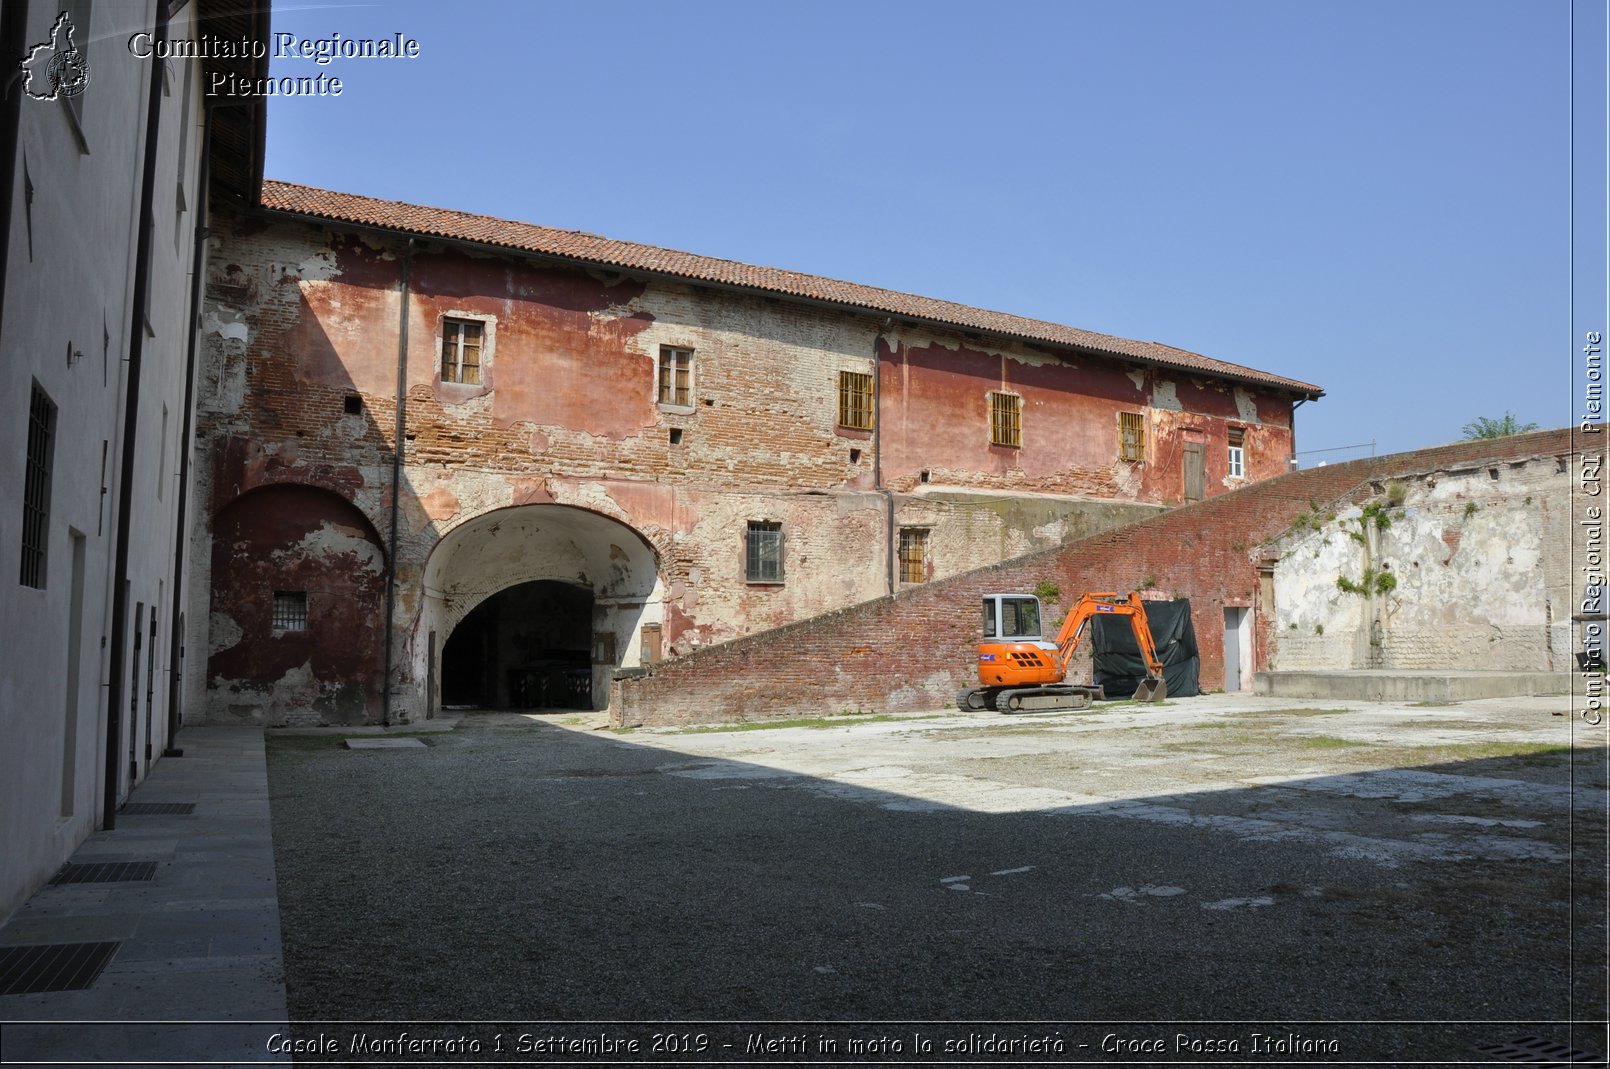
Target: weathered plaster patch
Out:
[1165,395]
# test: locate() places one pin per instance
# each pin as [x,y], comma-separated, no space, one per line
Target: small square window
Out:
[676,435]
[353,405]
[855,400]
[676,376]
[290,610]
[461,351]
[913,554]
[1006,420]
[763,552]
[1131,436]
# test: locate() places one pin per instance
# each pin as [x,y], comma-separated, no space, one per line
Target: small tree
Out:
[1483,427]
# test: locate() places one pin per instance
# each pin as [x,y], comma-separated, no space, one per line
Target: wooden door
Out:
[1195,470]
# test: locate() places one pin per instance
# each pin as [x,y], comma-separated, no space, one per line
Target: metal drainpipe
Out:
[198,258]
[131,420]
[1291,461]
[396,482]
[877,454]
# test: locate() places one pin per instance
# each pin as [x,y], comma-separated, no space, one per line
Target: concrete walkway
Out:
[200,942]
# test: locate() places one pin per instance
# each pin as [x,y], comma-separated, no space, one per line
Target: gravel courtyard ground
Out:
[1277,866]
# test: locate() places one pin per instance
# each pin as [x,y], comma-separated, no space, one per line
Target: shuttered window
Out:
[461,351]
[1131,436]
[676,376]
[1006,420]
[913,554]
[855,400]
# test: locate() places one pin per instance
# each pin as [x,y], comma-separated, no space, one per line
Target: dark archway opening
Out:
[526,647]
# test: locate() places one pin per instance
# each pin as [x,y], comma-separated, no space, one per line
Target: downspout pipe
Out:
[131,426]
[1291,462]
[13,42]
[198,258]
[877,452]
[396,483]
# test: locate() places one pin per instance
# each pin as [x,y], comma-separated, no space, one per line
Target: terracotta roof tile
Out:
[592,249]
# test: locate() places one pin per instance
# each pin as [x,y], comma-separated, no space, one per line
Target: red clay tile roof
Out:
[592,249]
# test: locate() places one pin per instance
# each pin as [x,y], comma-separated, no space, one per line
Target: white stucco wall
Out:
[1481,560]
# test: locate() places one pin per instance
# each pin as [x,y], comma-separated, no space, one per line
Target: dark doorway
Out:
[526,647]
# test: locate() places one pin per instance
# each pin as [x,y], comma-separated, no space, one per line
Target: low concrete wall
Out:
[1409,686]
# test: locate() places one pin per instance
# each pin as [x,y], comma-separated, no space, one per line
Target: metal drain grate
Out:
[105,872]
[37,970]
[158,809]
[1535,1051]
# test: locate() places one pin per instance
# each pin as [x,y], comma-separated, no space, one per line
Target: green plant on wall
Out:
[1047,591]
[1373,582]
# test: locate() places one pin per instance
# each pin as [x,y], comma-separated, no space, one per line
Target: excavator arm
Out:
[1087,608]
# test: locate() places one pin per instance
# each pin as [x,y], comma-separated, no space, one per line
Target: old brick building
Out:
[608,453]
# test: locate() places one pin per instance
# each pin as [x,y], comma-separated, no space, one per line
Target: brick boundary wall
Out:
[915,649]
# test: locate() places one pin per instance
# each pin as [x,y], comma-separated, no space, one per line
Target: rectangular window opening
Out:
[290,610]
[855,400]
[676,435]
[763,552]
[676,376]
[352,405]
[461,351]
[1237,453]
[913,554]
[1006,420]
[1131,436]
[36,487]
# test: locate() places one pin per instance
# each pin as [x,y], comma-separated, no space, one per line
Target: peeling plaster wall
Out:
[937,421]
[301,321]
[1481,557]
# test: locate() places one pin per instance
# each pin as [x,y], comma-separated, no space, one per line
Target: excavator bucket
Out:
[1151,689]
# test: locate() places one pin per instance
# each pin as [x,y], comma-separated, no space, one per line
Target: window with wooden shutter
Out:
[1006,420]
[1131,436]
[461,351]
[855,400]
[676,376]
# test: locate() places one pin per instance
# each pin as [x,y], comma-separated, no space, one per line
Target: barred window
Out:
[290,610]
[1131,436]
[913,554]
[855,400]
[763,552]
[36,487]
[1006,420]
[1238,467]
[461,351]
[676,376]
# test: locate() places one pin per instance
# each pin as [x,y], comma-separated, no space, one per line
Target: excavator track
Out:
[1060,698]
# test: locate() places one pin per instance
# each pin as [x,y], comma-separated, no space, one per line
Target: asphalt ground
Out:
[1144,883]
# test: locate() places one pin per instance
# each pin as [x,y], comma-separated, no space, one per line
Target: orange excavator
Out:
[1020,672]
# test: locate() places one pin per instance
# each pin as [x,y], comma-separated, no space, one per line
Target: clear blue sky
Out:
[1371,196]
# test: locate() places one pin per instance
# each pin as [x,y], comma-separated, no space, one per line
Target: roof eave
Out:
[1303,390]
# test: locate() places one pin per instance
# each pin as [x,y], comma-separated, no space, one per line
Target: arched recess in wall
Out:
[298,608]
[535,606]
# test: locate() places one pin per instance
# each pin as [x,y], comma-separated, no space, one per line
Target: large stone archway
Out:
[529,547]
